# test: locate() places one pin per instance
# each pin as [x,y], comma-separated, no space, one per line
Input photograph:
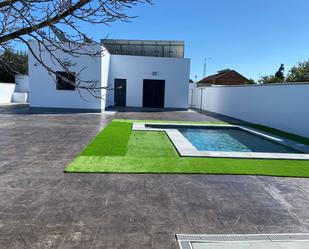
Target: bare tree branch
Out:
[8,2]
[55,26]
[45,23]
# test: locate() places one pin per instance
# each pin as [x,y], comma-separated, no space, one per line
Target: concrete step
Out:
[20,97]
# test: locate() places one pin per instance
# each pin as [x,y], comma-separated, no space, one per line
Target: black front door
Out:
[120,92]
[153,93]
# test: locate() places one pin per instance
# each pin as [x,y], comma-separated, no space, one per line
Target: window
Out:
[65,81]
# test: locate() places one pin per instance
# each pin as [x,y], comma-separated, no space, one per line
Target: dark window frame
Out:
[61,84]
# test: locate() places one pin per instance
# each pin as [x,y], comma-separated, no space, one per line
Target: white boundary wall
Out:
[6,92]
[281,106]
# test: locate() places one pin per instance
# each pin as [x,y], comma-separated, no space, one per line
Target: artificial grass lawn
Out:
[112,141]
[117,149]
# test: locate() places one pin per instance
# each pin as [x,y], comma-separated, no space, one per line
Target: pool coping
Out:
[186,149]
[185,240]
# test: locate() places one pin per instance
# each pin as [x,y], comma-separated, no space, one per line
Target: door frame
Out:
[125,93]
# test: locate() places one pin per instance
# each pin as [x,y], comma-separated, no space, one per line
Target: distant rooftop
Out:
[224,77]
[173,49]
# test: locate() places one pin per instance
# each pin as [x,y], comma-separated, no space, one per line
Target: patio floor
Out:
[41,207]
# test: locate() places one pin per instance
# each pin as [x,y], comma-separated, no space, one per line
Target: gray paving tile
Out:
[41,207]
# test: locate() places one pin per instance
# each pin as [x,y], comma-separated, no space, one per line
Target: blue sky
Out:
[251,36]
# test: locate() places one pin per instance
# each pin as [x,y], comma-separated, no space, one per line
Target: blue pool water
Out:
[232,140]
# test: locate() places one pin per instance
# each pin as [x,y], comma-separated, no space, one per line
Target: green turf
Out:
[112,142]
[279,133]
[117,149]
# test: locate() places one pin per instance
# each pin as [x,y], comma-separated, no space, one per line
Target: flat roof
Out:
[156,48]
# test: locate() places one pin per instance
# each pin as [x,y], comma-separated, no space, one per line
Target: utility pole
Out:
[205,66]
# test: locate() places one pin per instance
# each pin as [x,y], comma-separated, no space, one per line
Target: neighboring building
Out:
[224,77]
[151,74]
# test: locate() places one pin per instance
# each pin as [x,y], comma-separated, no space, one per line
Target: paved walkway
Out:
[41,207]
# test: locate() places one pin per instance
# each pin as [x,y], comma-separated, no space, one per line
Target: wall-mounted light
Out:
[155,73]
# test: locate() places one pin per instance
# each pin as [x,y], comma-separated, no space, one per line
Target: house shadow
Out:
[221,117]
[25,109]
[143,109]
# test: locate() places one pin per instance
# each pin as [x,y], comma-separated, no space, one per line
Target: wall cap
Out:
[7,83]
[259,85]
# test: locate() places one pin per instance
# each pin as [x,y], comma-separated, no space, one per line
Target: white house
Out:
[152,74]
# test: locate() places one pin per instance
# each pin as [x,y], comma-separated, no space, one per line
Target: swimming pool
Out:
[224,140]
[231,139]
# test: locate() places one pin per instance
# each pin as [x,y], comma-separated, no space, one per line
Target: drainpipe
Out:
[201,102]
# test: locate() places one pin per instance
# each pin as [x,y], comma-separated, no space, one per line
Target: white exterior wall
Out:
[281,106]
[6,91]
[175,72]
[22,83]
[42,89]
[105,69]
[105,65]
